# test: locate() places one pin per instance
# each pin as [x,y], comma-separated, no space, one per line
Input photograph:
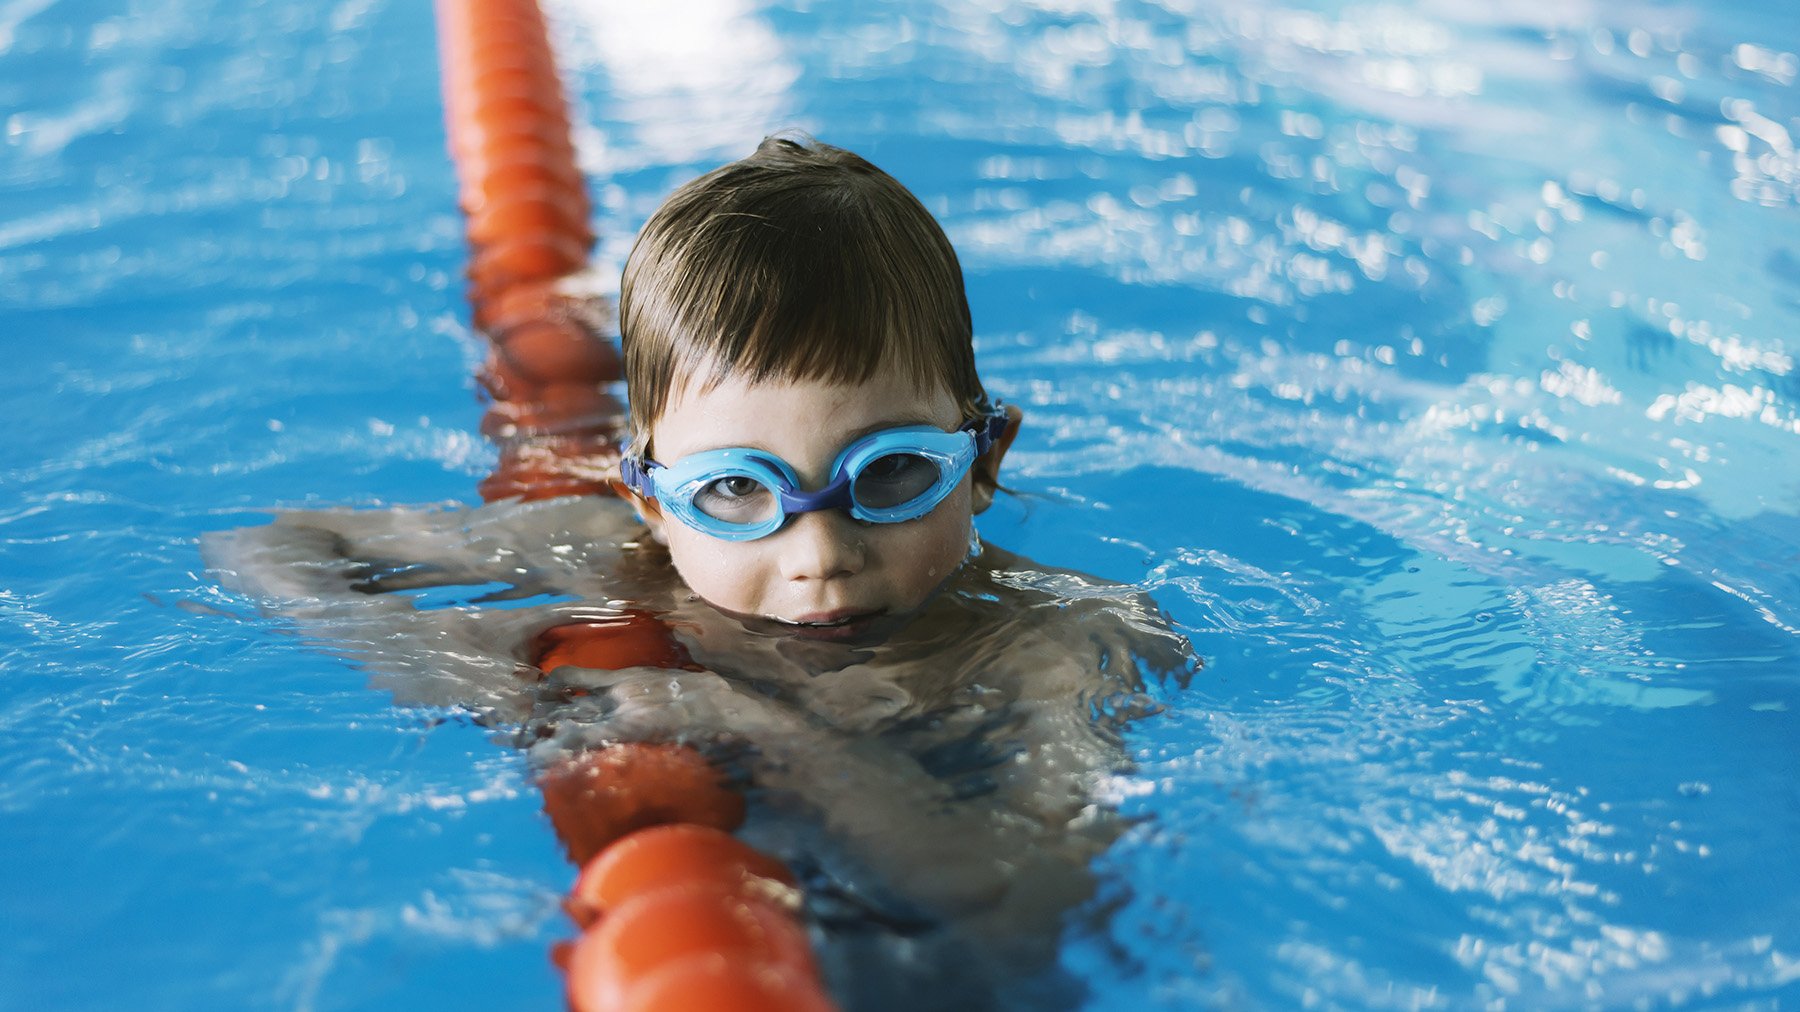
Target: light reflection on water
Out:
[1431,363]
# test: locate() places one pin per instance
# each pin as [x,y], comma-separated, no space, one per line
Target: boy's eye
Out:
[735,486]
[735,498]
[896,478]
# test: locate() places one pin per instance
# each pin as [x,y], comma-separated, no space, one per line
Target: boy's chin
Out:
[857,630]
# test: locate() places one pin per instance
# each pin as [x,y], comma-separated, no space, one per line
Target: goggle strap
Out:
[988,430]
[636,476]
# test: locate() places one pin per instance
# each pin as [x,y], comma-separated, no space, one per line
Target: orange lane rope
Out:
[674,912]
[526,209]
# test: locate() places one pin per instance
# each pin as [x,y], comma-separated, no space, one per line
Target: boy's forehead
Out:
[739,410]
[887,382]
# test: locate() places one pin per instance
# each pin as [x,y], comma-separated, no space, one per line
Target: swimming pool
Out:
[1432,367]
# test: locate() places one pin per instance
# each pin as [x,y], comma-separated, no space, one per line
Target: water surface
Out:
[1431,365]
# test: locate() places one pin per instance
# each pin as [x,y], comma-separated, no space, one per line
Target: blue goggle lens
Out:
[738,499]
[893,480]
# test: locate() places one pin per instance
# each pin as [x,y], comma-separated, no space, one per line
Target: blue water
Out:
[1431,364]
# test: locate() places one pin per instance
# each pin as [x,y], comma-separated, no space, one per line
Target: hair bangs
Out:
[796,264]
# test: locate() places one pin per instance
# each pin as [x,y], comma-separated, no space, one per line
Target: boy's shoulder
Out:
[1052,611]
[1011,569]
[1069,591]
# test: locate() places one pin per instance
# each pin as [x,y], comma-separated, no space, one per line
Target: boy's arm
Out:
[1081,668]
[434,604]
[884,816]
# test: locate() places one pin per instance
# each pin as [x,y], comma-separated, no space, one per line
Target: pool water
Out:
[1430,364]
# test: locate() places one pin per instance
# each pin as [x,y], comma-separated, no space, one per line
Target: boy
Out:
[925,720]
[803,305]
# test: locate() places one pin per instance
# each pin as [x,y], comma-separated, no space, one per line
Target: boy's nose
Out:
[820,545]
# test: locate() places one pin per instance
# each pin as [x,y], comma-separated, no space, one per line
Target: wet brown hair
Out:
[801,262]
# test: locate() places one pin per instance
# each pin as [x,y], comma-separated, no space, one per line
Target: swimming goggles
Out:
[886,477]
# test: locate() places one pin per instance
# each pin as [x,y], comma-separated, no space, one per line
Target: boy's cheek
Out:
[924,564]
[709,568]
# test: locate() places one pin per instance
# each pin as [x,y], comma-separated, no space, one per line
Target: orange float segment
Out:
[559,954]
[527,301]
[502,43]
[597,797]
[717,983]
[523,163]
[501,16]
[529,258]
[550,409]
[501,381]
[661,857]
[653,930]
[542,209]
[631,639]
[575,406]
[551,350]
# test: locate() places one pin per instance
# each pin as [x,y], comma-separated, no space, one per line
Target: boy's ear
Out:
[647,510]
[987,468]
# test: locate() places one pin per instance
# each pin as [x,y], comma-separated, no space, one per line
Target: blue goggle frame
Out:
[677,486]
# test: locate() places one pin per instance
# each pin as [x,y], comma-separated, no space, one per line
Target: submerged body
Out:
[924,723]
[942,789]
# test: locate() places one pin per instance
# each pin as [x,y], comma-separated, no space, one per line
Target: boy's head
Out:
[802,261]
[803,283]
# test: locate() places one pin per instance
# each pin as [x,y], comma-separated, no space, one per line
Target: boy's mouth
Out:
[848,624]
